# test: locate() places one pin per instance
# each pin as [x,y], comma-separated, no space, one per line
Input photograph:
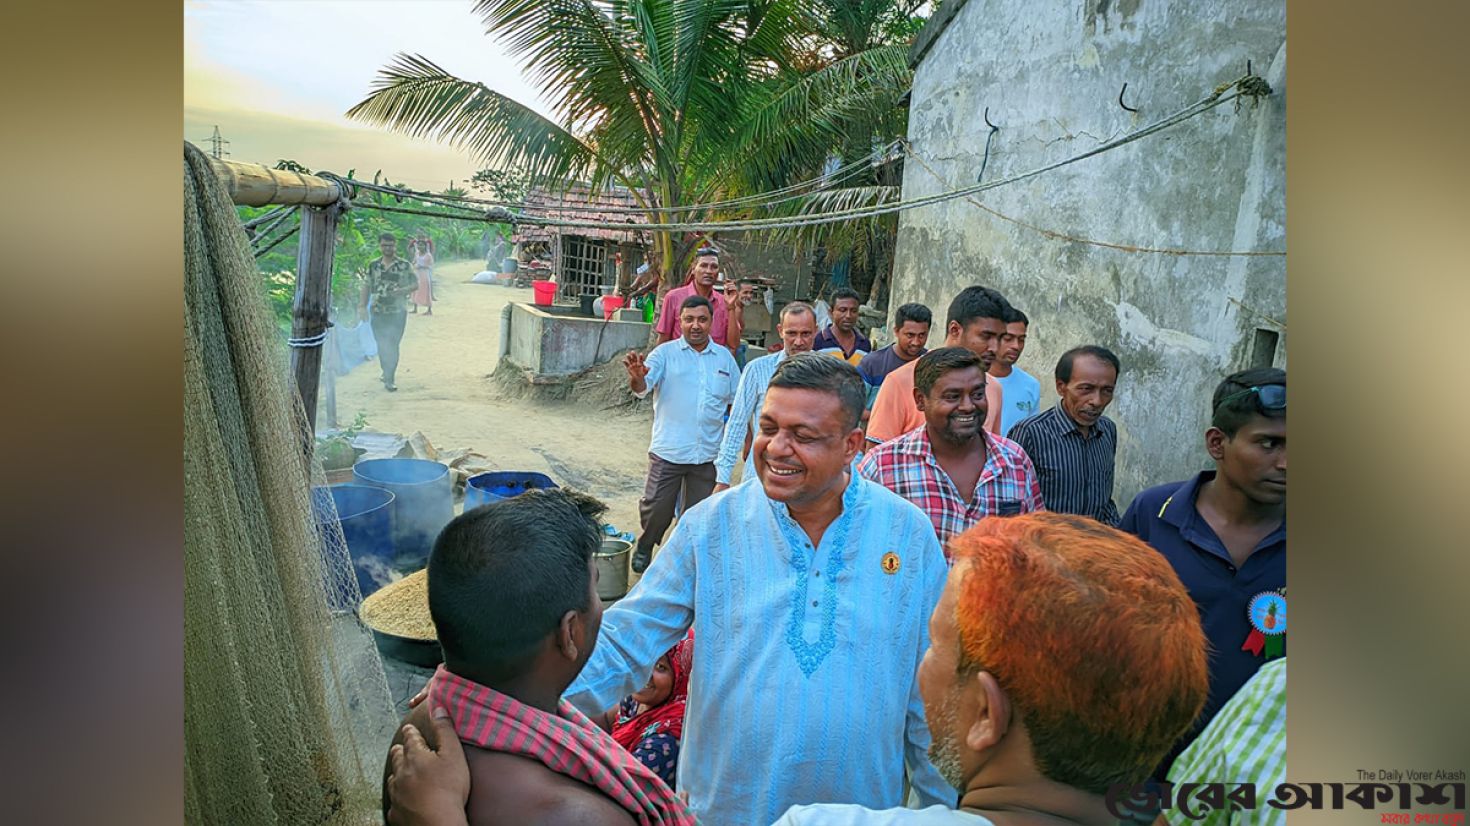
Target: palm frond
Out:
[843,86]
[586,57]
[851,197]
[844,103]
[415,97]
[844,237]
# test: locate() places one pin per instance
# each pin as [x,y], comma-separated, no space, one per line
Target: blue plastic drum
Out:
[484,488]
[366,514]
[423,504]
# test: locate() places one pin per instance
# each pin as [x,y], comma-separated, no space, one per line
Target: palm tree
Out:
[860,45]
[681,101]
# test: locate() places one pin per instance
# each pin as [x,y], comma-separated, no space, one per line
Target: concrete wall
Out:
[1050,73]
[750,256]
[552,345]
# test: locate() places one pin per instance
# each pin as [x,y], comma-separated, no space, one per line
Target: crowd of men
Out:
[933,618]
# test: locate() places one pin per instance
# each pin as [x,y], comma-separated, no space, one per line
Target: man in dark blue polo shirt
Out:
[1224,532]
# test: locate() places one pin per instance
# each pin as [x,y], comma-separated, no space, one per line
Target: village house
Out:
[594,261]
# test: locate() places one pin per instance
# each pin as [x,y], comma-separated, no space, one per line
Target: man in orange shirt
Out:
[976,322]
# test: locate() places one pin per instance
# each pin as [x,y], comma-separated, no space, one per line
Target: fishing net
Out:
[286,710]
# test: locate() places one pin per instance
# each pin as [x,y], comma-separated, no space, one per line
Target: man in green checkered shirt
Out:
[1245,743]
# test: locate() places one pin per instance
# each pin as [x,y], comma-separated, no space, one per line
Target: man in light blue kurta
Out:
[797,328]
[803,687]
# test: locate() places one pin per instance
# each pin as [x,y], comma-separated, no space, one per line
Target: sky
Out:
[276,76]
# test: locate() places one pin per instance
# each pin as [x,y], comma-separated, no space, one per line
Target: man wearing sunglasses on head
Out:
[1224,533]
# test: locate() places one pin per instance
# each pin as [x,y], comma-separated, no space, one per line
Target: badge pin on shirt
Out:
[891,563]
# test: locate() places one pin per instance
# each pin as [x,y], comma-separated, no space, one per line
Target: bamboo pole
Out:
[310,307]
[252,184]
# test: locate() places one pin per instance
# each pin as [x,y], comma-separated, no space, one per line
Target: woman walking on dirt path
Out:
[421,251]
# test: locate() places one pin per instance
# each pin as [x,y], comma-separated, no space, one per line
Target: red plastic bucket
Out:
[610,305]
[545,291]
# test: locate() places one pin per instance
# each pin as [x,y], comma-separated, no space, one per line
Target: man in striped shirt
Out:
[842,338]
[954,470]
[1073,445]
[798,328]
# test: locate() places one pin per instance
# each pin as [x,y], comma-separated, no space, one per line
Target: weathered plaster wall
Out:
[1050,73]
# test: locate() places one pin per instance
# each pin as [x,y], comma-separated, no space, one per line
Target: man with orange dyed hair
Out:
[1065,657]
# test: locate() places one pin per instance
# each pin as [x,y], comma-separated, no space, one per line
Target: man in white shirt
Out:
[798,329]
[693,385]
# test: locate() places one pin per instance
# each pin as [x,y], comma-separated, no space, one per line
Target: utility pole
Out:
[217,144]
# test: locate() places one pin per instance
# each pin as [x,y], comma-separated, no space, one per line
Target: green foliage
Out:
[509,185]
[357,245]
[336,451]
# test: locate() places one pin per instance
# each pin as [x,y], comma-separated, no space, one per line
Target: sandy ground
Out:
[444,391]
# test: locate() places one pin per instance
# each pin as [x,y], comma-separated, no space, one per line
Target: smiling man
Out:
[694,382]
[976,322]
[809,594]
[952,468]
[1224,531]
[1073,445]
[797,328]
[702,277]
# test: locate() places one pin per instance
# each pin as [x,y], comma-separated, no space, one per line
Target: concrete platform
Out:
[556,342]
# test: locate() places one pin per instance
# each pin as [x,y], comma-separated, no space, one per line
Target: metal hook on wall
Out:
[1120,98]
[988,138]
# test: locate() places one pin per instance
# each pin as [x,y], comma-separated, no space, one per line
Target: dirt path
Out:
[444,391]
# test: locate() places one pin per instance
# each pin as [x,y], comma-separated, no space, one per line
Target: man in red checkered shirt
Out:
[952,468]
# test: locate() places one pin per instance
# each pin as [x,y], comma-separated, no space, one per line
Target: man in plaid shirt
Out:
[1244,743]
[952,468]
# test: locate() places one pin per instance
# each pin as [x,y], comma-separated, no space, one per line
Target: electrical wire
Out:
[1248,85]
[762,199]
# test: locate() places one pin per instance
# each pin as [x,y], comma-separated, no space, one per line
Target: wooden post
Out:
[313,299]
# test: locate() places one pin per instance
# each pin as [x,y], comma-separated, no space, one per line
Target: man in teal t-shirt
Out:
[1020,390]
